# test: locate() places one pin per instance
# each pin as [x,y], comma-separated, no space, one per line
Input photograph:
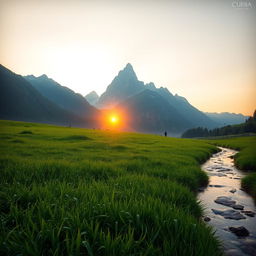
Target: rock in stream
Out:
[229,214]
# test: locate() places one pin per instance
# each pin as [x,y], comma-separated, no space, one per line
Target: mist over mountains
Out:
[62,96]
[148,108]
[20,101]
[226,118]
[92,98]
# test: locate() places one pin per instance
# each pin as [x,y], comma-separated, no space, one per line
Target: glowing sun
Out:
[113,119]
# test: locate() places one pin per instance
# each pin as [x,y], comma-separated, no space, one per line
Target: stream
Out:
[228,209]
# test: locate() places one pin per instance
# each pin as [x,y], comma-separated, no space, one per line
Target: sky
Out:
[202,50]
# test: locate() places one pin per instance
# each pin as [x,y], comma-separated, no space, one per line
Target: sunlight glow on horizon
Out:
[204,52]
[115,119]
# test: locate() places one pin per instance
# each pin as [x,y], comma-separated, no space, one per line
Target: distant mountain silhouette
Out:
[62,96]
[249,126]
[92,98]
[19,100]
[126,90]
[186,110]
[150,112]
[226,118]
[148,108]
[124,85]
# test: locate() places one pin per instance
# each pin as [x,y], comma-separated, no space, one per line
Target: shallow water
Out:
[224,177]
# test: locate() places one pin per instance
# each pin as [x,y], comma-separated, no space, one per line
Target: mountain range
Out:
[226,118]
[62,96]
[146,107]
[20,101]
[151,109]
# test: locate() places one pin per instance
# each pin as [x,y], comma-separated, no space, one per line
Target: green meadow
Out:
[244,160]
[71,191]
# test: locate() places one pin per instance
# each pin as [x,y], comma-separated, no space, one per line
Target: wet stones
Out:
[249,213]
[229,214]
[217,186]
[239,231]
[238,207]
[227,201]
[224,200]
[219,174]
[224,170]
[230,173]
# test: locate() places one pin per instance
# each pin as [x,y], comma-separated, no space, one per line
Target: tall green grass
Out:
[68,191]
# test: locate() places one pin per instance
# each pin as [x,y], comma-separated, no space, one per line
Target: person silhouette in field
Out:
[165,133]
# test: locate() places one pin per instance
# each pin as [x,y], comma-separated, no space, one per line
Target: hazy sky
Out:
[202,50]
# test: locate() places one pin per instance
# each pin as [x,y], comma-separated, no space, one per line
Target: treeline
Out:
[247,127]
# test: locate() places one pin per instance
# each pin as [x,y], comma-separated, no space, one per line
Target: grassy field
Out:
[69,191]
[244,160]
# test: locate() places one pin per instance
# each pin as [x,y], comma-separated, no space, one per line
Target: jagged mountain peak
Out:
[43,76]
[164,89]
[123,85]
[150,86]
[127,73]
[30,76]
[128,66]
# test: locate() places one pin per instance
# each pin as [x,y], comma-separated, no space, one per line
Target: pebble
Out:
[207,219]
[233,190]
